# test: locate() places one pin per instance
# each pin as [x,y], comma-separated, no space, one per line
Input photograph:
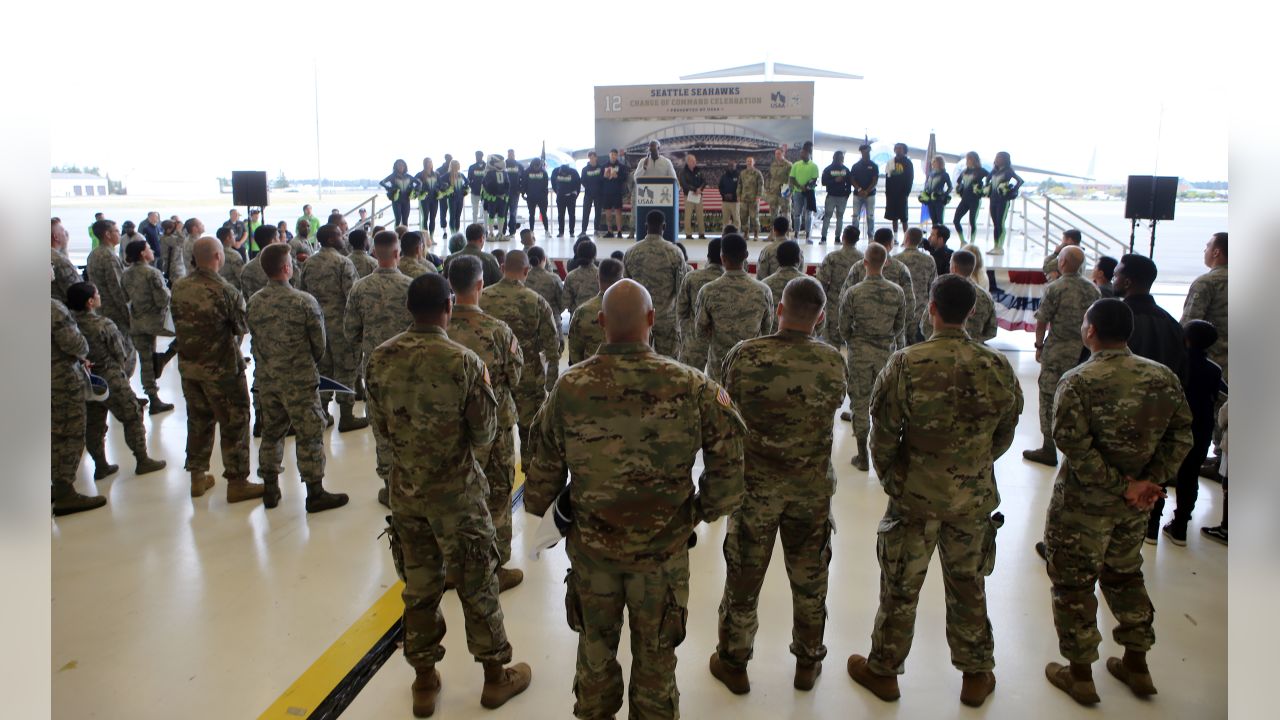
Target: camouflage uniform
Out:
[489,263]
[777,282]
[693,347]
[659,266]
[872,315]
[529,317]
[732,308]
[548,284]
[898,274]
[108,356]
[832,273]
[1062,309]
[149,307]
[232,267]
[981,325]
[328,277]
[750,186]
[580,285]
[106,271]
[172,258]
[628,423]
[767,261]
[787,387]
[209,316]
[65,275]
[942,411]
[585,333]
[433,423]
[1207,300]
[67,381]
[1116,415]
[253,278]
[377,310]
[494,343]
[288,340]
[365,265]
[779,174]
[924,270]
[307,245]
[413,267]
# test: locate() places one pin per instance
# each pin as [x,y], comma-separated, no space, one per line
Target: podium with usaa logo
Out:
[662,194]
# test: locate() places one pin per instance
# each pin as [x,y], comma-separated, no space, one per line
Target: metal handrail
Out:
[1050,224]
[1086,221]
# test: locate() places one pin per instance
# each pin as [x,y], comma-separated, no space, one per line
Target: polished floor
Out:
[167,606]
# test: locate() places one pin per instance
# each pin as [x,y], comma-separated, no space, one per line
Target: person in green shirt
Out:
[93,237]
[802,181]
[310,219]
[255,222]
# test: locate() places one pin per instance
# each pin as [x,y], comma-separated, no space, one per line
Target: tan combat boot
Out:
[200,483]
[241,490]
[426,688]
[66,501]
[735,679]
[884,687]
[1075,680]
[977,687]
[509,578]
[1133,671]
[147,465]
[501,684]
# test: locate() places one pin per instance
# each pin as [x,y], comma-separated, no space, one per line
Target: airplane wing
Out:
[831,141]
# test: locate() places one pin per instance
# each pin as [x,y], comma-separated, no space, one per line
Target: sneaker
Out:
[1177,533]
[1218,534]
[1153,533]
[995,251]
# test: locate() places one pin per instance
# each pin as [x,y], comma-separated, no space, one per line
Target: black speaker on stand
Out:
[1152,198]
[249,188]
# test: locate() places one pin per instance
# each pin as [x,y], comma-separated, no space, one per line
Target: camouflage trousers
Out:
[1054,363]
[656,600]
[805,526]
[778,206]
[749,212]
[865,363]
[146,346]
[693,348]
[124,405]
[665,339]
[299,406]
[498,462]
[338,363]
[66,428]
[462,538]
[904,546]
[1083,551]
[222,403]
[529,395]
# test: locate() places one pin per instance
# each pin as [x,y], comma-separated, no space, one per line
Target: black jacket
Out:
[615,187]
[515,171]
[691,180]
[900,184]
[729,185]
[475,175]
[566,182]
[1157,335]
[865,174]
[1204,382]
[534,184]
[591,179]
[835,178]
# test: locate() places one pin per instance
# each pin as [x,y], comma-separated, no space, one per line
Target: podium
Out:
[662,194]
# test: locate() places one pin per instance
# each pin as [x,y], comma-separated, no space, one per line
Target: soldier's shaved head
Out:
[464,272]
[733,251]
[207,253]
[963,262]
[875,257]
[516,264]
[275,261]
[1070,259]
[802,303]
[429,301]
[611,271]
[386,248]
[626,312]
[1111,322]
[951,299]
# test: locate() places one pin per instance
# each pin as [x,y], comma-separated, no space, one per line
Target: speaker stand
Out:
[1152,252]
[1133,232]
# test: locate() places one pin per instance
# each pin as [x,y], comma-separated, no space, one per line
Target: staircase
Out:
[1044,220]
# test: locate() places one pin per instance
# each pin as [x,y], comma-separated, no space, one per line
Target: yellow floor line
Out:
[315,684]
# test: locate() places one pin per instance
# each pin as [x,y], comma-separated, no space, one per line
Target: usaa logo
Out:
[778,100]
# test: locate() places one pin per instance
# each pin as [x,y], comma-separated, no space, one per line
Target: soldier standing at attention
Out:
[934,456]
[981,325]
[693,347]
[234,264]
[628,424]
[376,312]
[582,282]
[105,270]
[1207,300]
[832,273]
[359,240]
[923,271]
[475,248]
[108,358]
[894,271]
[253,279]
[65,273]
[548,284]
[68,377]
[659,266]
[767,260]
[1123,424]
[173,259]
[1058,342]
[750,186]
[434,423]
[787,387]
[288,341]
[495,344]
[149,308]
[788,269]
[872,315]
[209,316]
[779,175]
[328,277]
[529,317]
[585,332]
[733,307]
[413,255]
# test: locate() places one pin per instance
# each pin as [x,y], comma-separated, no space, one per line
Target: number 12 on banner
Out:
[612,103]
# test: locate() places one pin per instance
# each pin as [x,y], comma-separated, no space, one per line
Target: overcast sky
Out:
[186,91]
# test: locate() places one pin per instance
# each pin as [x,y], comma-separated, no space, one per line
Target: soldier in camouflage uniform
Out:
[234,265]
[475,248]
[547,283]
[872,315]
[733,307]
[693,347]
[787,387]
[359,241]
[750,187]
[1207,300]
[923,270]
[789,268]
[67,380]
[413,255]
[252,278]
[767,260]
[65,273]
[1123,425]
[288,340]
[832,273]
[172,259]
[895,272]
[1070,238]
[328,277]
[942,411]
[108,360]
[529,317]
[981,325]
[209,317]
[660,267]
[495,344]
[434,423]
[779,174]
[585,332]
[628,423]
[1059,317]
[105,270]
[149,310]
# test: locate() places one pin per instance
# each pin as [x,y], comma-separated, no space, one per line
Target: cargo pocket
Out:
[825,555]
[674,615]
[994,523]
[889,546]
[397,553]
[572,602]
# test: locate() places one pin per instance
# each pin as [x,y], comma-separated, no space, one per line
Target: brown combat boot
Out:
[147,465]
[158,406]
[733,678]
[1133,671]
[66,501]
[884,687]
[976,687]
[1075,680]
[509,578]
[319,499]
[242,490]
[501,684]
[426,688]
[200,483]
[270,491]
[1047,455]
[860,461]
[348,421]
[806,675]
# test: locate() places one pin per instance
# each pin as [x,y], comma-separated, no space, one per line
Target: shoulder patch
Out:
[485,377]
[515,345]
[722,397]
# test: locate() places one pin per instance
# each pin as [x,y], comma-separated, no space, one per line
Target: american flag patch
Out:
[486,377]
[722,397]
